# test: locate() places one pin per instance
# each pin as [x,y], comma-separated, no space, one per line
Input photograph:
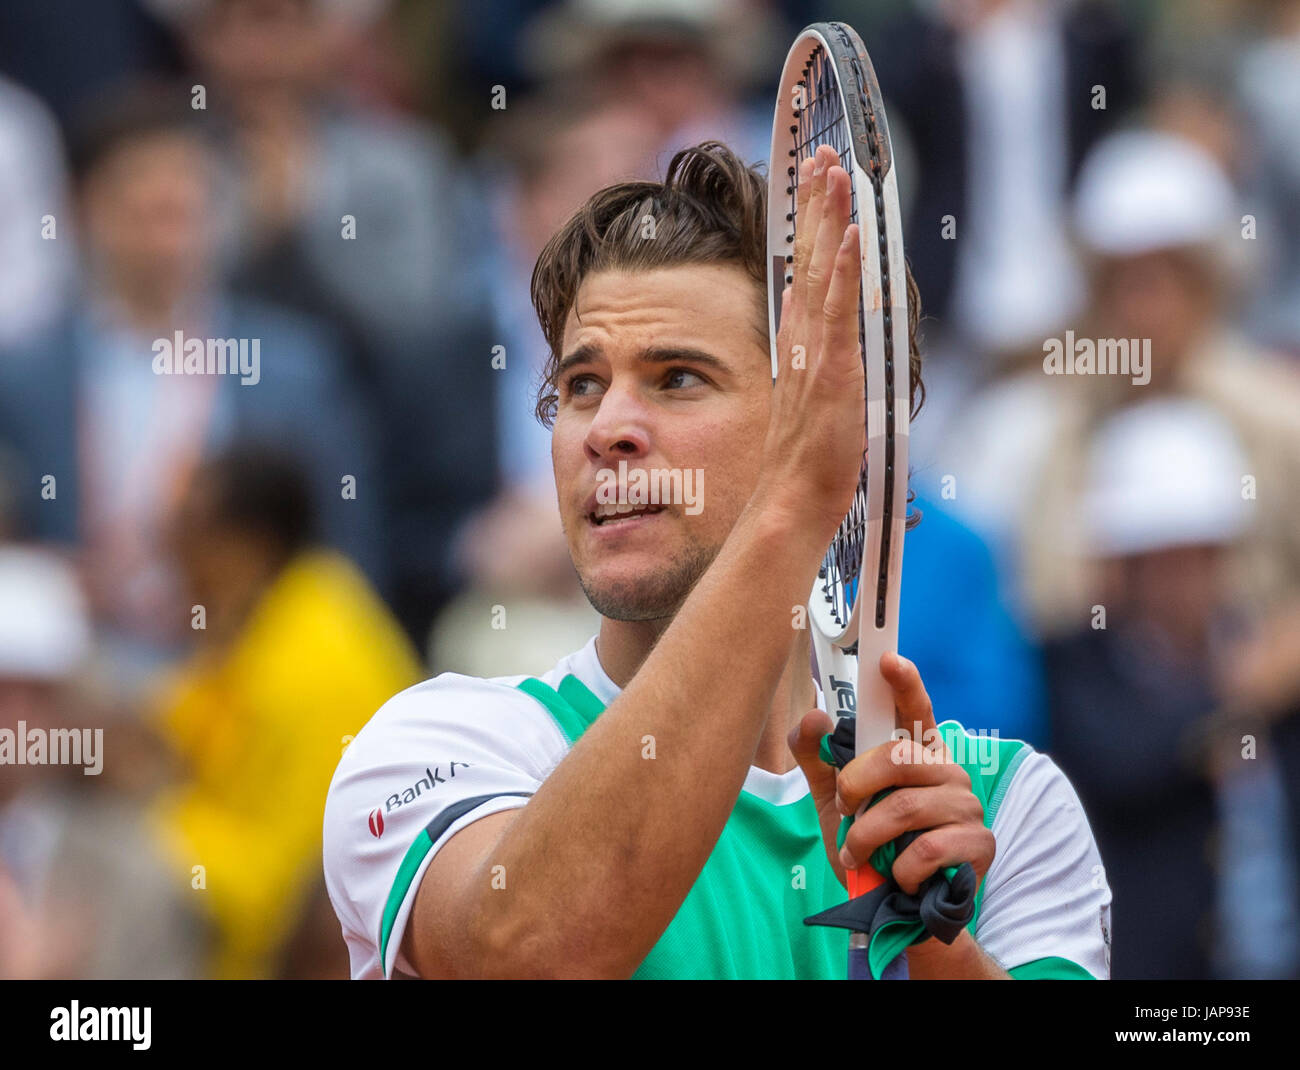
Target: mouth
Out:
[614,515]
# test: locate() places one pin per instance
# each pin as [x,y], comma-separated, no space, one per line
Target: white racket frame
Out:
[869,698]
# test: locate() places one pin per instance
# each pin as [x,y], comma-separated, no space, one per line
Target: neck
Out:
[147,307]
[623,646]
[242,588]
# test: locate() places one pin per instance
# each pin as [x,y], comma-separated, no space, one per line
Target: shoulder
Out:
[479,716]
[294,337]
[413,157]
[29,132]
[327,599]
[434,758]
[992,762]
[302,376]
[1038,797]
[1045,898]
[1254,383]
[33,360]
[1021,788]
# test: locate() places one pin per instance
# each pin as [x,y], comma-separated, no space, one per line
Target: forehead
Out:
[714,307]
[153,154]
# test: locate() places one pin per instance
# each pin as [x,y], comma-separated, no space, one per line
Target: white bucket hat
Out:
[1142,191]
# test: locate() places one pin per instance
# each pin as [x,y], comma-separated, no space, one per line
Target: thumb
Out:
[805,744]
[805,741]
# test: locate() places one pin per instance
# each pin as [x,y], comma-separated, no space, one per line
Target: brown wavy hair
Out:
[711,207]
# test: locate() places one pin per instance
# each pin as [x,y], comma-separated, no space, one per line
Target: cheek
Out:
[566,447]
[746,433]
[730,470]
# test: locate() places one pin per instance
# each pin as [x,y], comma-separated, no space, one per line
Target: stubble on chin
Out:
[653,595]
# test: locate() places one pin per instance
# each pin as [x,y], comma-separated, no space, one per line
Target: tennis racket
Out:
[829,96]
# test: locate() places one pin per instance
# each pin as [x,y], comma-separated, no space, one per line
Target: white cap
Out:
[1164,473]
[1141,191]
[44,625]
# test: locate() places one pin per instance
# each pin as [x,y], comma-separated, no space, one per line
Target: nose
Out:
[620,428]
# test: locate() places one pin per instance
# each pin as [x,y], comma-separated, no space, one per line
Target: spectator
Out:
[68,52]
[295,653]
[1158,220]
[104,442]
[363,218]
[1152,216]
[553,152]
[1133,696]
[685,64]
[998,100]
[301,159]
[82,892]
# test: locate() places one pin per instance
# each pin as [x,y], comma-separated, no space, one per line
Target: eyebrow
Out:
[590,353]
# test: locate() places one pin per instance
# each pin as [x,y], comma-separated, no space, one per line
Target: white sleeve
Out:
[434,759]
[1046,894]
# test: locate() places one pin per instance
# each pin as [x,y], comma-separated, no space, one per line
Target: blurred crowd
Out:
[226,571]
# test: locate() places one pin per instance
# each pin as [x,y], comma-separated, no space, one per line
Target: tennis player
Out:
[655,805]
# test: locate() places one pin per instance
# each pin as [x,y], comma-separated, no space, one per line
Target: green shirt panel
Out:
[743,917]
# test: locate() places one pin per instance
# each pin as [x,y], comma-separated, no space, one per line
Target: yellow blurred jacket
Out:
[261,731]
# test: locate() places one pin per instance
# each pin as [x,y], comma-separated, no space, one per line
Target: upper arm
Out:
[449,757]
[440,937]
[1045,896]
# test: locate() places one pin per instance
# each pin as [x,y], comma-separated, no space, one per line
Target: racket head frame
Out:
[850,116]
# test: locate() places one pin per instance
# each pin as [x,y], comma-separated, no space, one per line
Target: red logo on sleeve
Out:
[376,823]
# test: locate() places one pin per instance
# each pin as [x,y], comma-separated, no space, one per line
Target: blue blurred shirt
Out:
[977,665]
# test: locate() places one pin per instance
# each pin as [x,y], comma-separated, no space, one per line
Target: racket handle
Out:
[861,881]
[876,718]
[860,964]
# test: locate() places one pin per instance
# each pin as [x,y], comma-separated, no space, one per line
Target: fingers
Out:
[949,845]
[906,810]
[911,701]
[805,744]
[843,296]
[832,219]
[897,764]
[819,168]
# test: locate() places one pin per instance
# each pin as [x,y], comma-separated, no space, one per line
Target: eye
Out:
[682,378]
[580,385]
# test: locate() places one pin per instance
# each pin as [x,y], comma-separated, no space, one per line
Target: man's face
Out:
[147,212]
[667,371]
[1164,295]
[267,48]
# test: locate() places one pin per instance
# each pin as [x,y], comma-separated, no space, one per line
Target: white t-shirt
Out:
[455,749]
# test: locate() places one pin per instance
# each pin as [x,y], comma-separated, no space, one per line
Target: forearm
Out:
[963,959]
[602,857]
